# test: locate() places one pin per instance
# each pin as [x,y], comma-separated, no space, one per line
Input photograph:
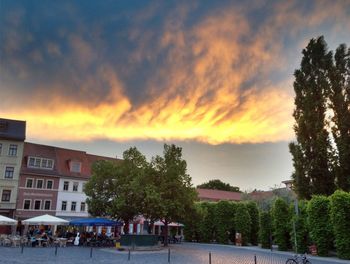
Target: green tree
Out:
[265,229]
[193,222]
[320,223]
[339,97]
[243,222]
[280,222]
[100,189]
[340,215]
[311,152]
[254,217]
[171,186]
[208,226]
[218,185]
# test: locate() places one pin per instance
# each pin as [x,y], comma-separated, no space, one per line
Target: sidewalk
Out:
[287,253]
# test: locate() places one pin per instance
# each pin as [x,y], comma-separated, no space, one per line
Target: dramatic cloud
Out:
[172,71]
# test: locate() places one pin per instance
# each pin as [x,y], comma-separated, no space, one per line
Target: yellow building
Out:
[12,136]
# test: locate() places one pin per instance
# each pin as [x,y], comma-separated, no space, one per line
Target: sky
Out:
[213,77]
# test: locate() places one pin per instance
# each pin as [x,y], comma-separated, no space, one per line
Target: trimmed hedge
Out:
[301,227]
[280,223]
[225,221]
[340,216]
[254,226]
[243,222]
[320,223]
[265,229]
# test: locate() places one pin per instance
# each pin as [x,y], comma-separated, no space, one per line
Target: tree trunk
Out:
[166,233]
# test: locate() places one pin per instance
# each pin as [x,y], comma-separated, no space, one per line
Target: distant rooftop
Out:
[12,129]
[217,195]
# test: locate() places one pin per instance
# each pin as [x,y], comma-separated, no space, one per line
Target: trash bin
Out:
[117,244]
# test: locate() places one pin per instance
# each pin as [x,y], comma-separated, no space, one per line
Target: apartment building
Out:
[39,181]
[12,136]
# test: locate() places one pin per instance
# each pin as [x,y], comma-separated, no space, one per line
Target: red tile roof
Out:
[217,195]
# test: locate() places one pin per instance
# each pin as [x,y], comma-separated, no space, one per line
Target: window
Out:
[75,166]
[49,184]
[39,184]
[73,206]
[75,186]
[65,186]
[6,195]
[82,207]
[64,206]
[29,183]
[37,204]
[83,188]
[26,205]
[0,148]
[42,163]
[47,205]
[9,172]
[13,150]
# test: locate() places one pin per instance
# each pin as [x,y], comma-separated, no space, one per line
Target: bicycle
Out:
[298,259]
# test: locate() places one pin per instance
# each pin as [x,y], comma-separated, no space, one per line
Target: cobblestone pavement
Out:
[186,253]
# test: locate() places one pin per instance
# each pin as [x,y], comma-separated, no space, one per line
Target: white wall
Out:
[70,196]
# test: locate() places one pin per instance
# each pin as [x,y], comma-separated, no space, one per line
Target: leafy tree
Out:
[254,217]
[340,215]
[280,222]
[243,222]
[265,229]
[311,152]
[193,222]
[171,186]
[208,226]
[218,185]
[339,97]
[320,223]
[225,221]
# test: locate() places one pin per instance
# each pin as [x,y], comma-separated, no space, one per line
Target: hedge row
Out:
[322,221]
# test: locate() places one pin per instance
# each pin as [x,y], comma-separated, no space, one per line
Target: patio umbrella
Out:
[45,220]
[94,222]
[160,223]
[7,221]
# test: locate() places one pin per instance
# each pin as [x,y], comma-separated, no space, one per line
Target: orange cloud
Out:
[197,95]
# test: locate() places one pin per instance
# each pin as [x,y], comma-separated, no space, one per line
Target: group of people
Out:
[35,233]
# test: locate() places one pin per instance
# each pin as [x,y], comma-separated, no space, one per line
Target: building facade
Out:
[39,182]
[12,136]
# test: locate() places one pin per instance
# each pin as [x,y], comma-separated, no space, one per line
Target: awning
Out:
[7,221]
[45,220]
[94,222]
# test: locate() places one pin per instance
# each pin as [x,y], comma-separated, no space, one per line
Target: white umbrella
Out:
[160,223]
[7,221]
[45,220]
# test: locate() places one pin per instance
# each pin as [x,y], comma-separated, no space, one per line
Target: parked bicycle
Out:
[298,259]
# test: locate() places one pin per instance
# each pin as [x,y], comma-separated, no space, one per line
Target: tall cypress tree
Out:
[339,97]
[311,152]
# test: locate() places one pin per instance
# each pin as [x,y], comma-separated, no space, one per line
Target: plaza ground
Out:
[185,253]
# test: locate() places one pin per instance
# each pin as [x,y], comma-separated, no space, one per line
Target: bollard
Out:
[56,250]
[91,252]
[169,255]
[129,254]
[209,257]
[254,259]
[22,246]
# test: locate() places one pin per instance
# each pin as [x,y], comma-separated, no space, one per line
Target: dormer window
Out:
[40,163]
[75,166]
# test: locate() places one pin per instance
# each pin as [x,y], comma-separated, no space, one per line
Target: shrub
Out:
[207,228]
[319,223]
[340,216]
[225,225]
[280,223]
[301,227]
[193,221]
[265,229]
[243,222]
[254,217]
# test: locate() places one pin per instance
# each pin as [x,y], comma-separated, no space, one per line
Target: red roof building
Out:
[217,195]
